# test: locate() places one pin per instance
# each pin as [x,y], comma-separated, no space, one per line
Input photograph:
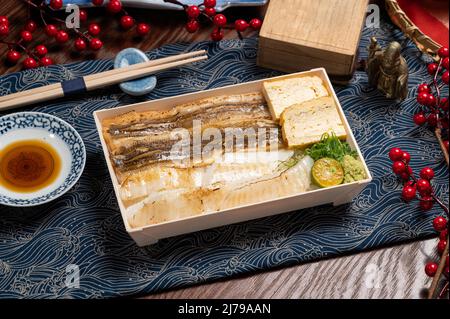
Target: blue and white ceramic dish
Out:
[54,131]
[160,4]
[138,87]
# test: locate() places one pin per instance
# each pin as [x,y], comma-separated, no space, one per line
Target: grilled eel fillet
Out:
[137,140]
[154,189]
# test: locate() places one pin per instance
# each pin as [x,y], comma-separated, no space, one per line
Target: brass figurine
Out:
[387,70]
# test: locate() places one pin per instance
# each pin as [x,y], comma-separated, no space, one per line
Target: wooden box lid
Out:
[325,30]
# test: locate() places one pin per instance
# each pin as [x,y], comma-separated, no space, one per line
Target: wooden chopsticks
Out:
[99,80]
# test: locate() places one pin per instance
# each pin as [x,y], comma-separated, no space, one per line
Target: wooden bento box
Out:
[336,195]
[299,35]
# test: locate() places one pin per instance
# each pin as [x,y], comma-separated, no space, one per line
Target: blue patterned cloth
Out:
[39,246]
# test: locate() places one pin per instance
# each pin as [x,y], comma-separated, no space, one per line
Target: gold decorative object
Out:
[401,20]
[387,70]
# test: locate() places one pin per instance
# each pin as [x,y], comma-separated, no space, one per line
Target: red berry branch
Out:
[55,28]
[435,112]
[206,13]
[87,37]
[434,107]
[421,188]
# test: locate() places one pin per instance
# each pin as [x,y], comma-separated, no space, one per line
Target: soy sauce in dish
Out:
[28,166]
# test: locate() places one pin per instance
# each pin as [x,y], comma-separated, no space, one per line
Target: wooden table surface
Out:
[395,272]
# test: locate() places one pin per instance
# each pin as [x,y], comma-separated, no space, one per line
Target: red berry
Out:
[445,63]
[406,175]
[4,20]
[424,187]
[446,270]
[46,61]
[241,25]
[422,98]
[427,173]
[30,26]
[443,235]
[80,44]
[210,12]
[431,269]
[443,104]
[432,120]
[51,30]
[210,3]
[440,223]
[56,4]
[83,15]
[443,52]
[426,203]
[445,77]
[408,193]
[444,122]
[431,100]
[26,36]
[398,167]
[446,145]
[94,29]
[406,157]
[424,88]
[114,6]
[29,63]
[410,183]
[432,68]
[142,29]
[420,118]
[4,29]
[256,24]
[217,34]
[410,171]
[62,36]
[441,246]
[395,154]
[220,20]
[192,26]
[13,56]
[97,2]
[126,22]
[41,50]
[95,44]
[193,12]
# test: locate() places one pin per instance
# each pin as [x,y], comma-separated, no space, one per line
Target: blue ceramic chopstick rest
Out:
[137,87]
